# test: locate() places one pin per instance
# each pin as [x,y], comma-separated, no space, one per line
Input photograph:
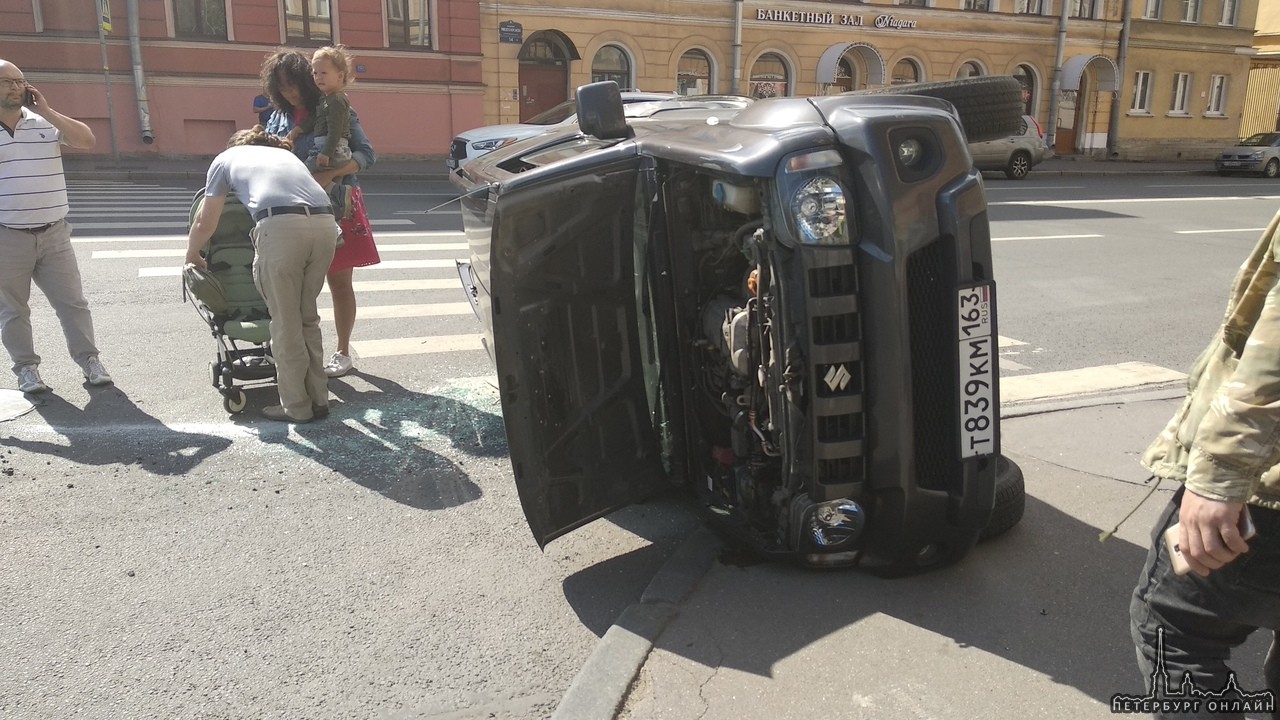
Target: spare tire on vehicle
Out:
[989,107]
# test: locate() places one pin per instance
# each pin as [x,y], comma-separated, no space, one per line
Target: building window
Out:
[979,5]
[1141,92]
[308,22]
[1082,9]
[611,63]
[969,69]
[916,3]
[409,23]
[200,19]
[693,75]
[906,71]
[1217,94]
[1151,11]
[1026,76]
[1026,7]
[1190,11]
[1228,12]
[1181,86]
[769,77]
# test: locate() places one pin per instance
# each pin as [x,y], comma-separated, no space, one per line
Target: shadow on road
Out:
[111,429]
[381,438]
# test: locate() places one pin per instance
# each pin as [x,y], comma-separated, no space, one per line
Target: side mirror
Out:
[600,111]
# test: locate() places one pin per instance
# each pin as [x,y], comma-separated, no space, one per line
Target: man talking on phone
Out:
[35,239]
[1223,444]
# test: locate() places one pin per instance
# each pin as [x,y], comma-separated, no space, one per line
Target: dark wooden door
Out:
[542,87]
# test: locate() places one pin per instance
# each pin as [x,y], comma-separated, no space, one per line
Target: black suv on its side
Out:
[788,308]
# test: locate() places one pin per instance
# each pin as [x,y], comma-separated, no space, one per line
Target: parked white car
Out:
[476,142]
[1258,153]
[1016,154]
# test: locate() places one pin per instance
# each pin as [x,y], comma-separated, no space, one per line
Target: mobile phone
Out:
[29,98]
[1179,563]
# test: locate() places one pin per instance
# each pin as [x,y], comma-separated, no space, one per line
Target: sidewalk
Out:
[1033,624]
[433,168]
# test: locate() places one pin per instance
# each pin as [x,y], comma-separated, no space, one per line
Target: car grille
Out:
[933,372]
[839,382]
[458,150]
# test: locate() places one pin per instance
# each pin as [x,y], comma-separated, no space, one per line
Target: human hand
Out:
[1210,535]
[322,160]
[195,259]
[39,101]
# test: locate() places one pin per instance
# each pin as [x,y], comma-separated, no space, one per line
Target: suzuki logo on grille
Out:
[837,378]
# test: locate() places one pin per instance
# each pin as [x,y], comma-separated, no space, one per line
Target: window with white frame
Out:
[205,19]
[1190,11]
[308,22]
[1141,92]
[1217,95]
[1082,9]
[1181,89]
[979,5]
[1229,9]
[1151,11]
[409,23]
[1026,7]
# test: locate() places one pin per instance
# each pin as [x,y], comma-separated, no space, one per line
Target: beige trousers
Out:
[293,255]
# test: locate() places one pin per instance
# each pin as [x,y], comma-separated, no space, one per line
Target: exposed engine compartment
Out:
[720,239]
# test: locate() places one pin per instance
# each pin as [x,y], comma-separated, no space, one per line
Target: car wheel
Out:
[1011,499]
[1272,168]
[1019,165]
[990,106]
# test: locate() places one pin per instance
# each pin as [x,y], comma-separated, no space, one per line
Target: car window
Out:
[1261,140]
[555,115]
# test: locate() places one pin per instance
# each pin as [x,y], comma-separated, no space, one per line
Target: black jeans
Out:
[1205,617]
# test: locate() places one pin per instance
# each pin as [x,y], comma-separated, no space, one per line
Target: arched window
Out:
[611,63]
[1027,77]
[846,77]
[769,77]
[969,69]
[906,71]
[693,75]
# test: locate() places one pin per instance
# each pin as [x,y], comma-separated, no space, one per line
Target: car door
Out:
[573,370]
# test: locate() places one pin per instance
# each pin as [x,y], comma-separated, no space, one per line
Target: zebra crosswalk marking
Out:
[181,252]
[1067,383]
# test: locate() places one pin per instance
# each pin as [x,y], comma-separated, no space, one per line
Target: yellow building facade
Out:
[1168,83]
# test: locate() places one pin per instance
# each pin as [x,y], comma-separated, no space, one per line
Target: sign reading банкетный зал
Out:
[838,19]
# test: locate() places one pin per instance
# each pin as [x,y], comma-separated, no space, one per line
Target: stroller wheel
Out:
[235,401]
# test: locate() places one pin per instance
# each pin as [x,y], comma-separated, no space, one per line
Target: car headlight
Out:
[834,524]
[1256,156]
[488,145]
[820,214]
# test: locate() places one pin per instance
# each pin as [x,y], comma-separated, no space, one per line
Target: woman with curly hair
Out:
[287,79]
[294,236]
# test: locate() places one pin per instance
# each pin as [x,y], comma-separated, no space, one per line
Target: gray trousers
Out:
[45,258]
[292,258]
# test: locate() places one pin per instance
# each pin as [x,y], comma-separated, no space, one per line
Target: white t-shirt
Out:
[33,188]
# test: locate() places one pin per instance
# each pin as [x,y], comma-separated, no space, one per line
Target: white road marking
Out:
[1007,364]
[1066,383]
[181,252]
[1214,232]
[1124,201]
[1003,341]
[417,345]
[182,225]
[1045,237]
[385,312]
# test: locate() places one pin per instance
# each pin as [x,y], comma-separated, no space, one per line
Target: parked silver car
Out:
[1258,153]
[1016,154]
[476,142]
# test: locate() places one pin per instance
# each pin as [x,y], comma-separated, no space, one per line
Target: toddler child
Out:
[331,122]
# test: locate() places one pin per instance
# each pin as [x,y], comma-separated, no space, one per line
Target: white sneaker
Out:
[95,373]
[29,380]
[338,365]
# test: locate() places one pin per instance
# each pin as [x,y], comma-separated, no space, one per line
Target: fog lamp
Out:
[836,523]
[910,152]
[819,210]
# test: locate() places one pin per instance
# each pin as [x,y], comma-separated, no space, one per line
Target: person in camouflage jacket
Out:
[1223,444]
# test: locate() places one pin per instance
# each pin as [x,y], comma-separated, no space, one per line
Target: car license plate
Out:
[451,163]
[977,356]
[1231,163]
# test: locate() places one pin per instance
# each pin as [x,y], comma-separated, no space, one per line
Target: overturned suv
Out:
[788,308]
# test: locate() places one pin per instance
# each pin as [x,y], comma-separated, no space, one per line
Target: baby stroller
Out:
[226,298]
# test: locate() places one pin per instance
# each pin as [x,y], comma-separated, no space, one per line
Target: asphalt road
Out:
[166,561]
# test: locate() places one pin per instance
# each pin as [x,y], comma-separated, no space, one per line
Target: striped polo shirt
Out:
[33,189]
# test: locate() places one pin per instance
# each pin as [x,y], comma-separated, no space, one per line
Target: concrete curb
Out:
[601,685]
